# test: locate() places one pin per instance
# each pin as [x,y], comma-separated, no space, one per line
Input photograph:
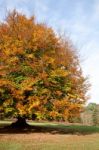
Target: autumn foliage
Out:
[40,72]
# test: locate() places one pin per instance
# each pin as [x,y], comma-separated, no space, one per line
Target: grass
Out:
[72,129]
[78,137]
[50,127]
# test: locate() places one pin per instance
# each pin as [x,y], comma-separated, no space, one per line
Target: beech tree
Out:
[40,73]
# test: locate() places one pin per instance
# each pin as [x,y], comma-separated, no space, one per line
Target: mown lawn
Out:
[56,138]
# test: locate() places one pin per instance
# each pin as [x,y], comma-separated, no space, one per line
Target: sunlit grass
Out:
[78,138]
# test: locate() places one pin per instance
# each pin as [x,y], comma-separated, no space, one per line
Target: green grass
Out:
[69,128]
[61,128]
[5,122]
[55,137]
[48,146]
[10,146]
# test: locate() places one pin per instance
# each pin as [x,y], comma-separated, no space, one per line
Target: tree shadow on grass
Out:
[57,129]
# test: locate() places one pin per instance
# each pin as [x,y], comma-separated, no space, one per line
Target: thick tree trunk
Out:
[20,123]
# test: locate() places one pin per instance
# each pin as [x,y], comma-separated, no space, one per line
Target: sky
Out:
[77,19]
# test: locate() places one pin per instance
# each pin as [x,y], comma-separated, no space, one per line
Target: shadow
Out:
[57,129]
[32,129]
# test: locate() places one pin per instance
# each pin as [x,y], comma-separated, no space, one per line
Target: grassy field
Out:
[50,136]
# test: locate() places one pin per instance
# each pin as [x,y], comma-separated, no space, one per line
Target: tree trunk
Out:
[20,123]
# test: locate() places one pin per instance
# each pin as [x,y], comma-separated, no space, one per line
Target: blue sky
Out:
[78,19]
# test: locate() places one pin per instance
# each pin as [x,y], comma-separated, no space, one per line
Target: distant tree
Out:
[95,121]
[91,106]
[40,73]
[93,109]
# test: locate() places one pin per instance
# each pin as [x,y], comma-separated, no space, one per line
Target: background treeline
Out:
[89,116]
